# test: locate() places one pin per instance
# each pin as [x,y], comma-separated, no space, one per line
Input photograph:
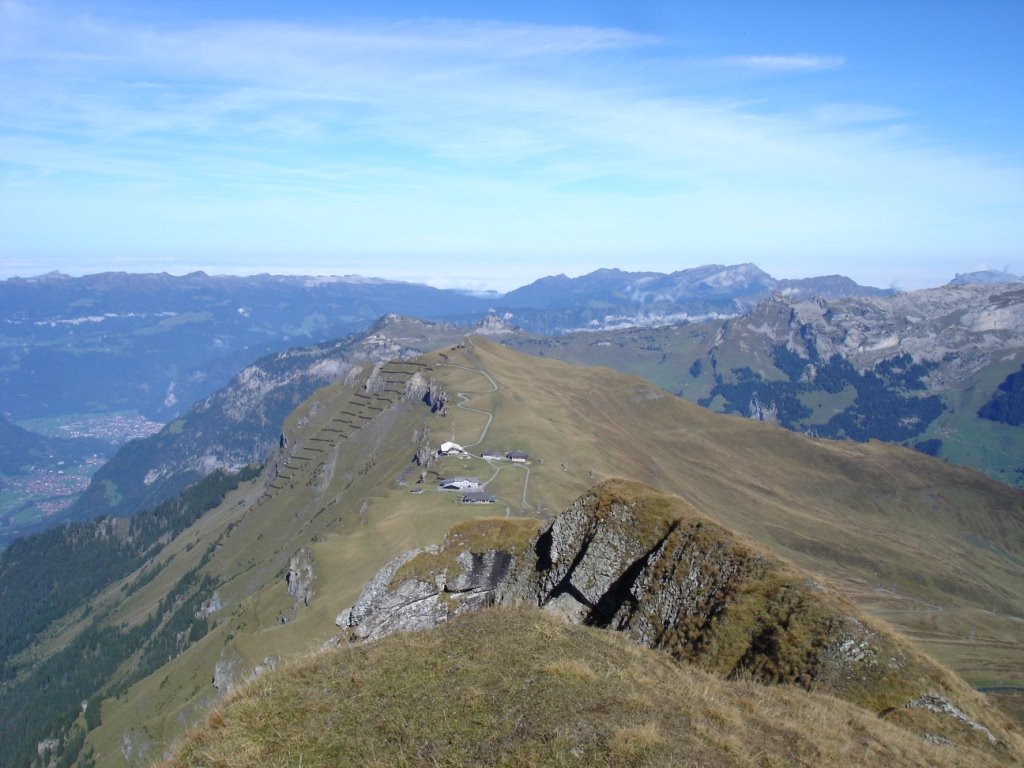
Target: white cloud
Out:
[850,113]
[449,137]
[777,63]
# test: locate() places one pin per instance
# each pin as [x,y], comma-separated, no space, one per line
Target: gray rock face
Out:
[492,325]
[579,559]
[300,577]
[47,750]
[210,606]
[960,328]
[940,706]
[759,411]
[225,673]
[230,671]
[135,747]
[606,570]
[422,603]
[376,597]
[479,573]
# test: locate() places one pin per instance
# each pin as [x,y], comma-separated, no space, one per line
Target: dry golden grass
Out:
[635,743]
[573,669]
[514,687]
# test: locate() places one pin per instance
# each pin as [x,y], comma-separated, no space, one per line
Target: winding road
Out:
[463,400]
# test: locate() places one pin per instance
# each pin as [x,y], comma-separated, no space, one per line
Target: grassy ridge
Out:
[885,403]
[650,566]
[515,687]
[936,550]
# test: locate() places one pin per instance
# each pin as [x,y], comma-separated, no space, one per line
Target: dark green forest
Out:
[886,406]
[43,577]
[1007,403]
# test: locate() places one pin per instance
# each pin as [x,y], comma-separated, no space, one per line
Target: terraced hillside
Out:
[307,456]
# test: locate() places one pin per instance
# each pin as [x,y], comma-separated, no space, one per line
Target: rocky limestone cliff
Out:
[429,390]
[426,587]
[628,558]
[963,327]
[493,325]
[300,578]
[759,411]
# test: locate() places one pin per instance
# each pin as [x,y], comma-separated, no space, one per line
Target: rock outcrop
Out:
[958,328]
[210,606]
[300,578]
[48,749]
[429,390]
[759,411]
[493,325]
[230,671]
[426,587]
[633,560]
[628,558]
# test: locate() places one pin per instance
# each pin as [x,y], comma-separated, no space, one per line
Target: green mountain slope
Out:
[240,423]
[936,550]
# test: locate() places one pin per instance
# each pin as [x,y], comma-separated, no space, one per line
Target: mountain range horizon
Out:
[968,275]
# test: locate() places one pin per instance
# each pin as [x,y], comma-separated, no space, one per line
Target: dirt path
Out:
[464,398]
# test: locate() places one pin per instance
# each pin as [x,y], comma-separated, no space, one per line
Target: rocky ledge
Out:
[628,558]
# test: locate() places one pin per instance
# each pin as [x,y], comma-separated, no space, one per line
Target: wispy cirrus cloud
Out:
[780,63]
[851,113]
[451,137]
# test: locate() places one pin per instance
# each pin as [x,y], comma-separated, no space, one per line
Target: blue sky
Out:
[484,144]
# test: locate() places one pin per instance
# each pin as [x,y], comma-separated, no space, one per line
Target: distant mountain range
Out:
[162,346]
[610,298]
[156,343]
[987,276]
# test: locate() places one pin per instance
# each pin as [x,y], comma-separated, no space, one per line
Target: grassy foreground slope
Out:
[517,687]
[648,565]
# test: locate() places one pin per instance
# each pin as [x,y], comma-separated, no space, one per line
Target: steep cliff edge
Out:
[628,558]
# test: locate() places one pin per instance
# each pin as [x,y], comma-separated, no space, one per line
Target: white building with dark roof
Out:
[460,484]
[477,497]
